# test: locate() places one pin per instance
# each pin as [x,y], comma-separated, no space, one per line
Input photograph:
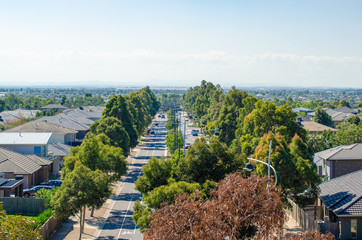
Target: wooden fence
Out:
[302,218]
[23,206]
[49,227]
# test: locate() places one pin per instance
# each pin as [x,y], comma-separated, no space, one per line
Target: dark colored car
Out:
[53,183]
[156,124]
[31,191]
[152,132]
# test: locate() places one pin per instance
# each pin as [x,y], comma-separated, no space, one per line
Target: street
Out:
[118,222]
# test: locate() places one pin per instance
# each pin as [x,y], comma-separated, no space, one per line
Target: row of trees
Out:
[101,159]
[246,125]
[12,102]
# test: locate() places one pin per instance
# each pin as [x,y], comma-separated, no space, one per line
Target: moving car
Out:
[195,133]
[31,191]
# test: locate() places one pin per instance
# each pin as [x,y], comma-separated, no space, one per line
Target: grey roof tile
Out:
[343,194]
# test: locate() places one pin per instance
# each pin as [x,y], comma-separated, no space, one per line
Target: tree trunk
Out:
[92,211]
[80,223]
[83,219]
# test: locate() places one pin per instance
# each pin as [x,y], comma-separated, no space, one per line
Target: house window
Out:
[354,228]
[37,149]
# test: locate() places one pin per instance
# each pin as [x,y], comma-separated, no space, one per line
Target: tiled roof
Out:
[17,163]
[54,106]
[18,114]
[24,138]
[39,126]
[311,126]
[345,109]
[343,194]
[348,152]
[318,160]
[302,109]
[59,149]
[66,121]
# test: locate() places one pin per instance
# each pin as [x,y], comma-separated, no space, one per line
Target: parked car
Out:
[195,133]
[156,124]
[187,145]
[31,191]
[152,132]
[53,183]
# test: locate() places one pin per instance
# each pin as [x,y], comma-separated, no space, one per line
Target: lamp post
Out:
[249,167]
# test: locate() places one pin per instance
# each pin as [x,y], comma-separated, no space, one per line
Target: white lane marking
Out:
[111,208]
[130,202]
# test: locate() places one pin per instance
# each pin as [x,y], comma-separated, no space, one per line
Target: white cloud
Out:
[141,65]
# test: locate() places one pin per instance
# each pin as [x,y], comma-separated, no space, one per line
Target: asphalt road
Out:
[119,223]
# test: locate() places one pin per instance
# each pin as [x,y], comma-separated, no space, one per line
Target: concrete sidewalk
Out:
[291,227]
[70,228]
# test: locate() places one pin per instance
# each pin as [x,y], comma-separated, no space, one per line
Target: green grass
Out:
[144,139]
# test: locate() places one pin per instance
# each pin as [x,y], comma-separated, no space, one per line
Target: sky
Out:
[286,43]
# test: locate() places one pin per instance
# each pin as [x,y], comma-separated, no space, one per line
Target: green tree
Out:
[112,127]
[117,107]
[207,161]
[96,153]
[82,188]
[322,117]
[156,173]
[158,196]
[295,173]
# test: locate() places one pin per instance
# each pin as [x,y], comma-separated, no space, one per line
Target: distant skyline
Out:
[179,43]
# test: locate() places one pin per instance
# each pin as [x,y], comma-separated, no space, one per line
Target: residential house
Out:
[339,161]
[59,151]
[59,133]
[54,107]
[309,112]
[341,198]
[26,143]
[33,168]
[10,117]
[345,109]
[9,186]
[313,127]
[340,114]
[78,119]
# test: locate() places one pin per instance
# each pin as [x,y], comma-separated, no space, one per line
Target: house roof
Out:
[302,109]
[340,116]
[18,114]
[303,119]
[40,126]
[345,109]
[10,183]
[65,121]
[21,138]
[348,152]
[59,149]
[17,163]
[318,160]
[54,106]
[343,194]
[312,126]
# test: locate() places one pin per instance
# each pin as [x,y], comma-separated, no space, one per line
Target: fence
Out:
[49,227]
[23,206]
[302,218]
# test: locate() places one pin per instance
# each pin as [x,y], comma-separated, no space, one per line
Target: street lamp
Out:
[249,166]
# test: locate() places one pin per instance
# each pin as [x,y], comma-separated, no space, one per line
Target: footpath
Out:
[70,228]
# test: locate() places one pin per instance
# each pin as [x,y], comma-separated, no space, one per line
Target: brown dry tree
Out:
[237,209]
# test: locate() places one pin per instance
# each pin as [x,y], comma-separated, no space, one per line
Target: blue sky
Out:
[309,43]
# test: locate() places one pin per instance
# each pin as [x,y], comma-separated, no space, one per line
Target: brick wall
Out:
[346,166]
